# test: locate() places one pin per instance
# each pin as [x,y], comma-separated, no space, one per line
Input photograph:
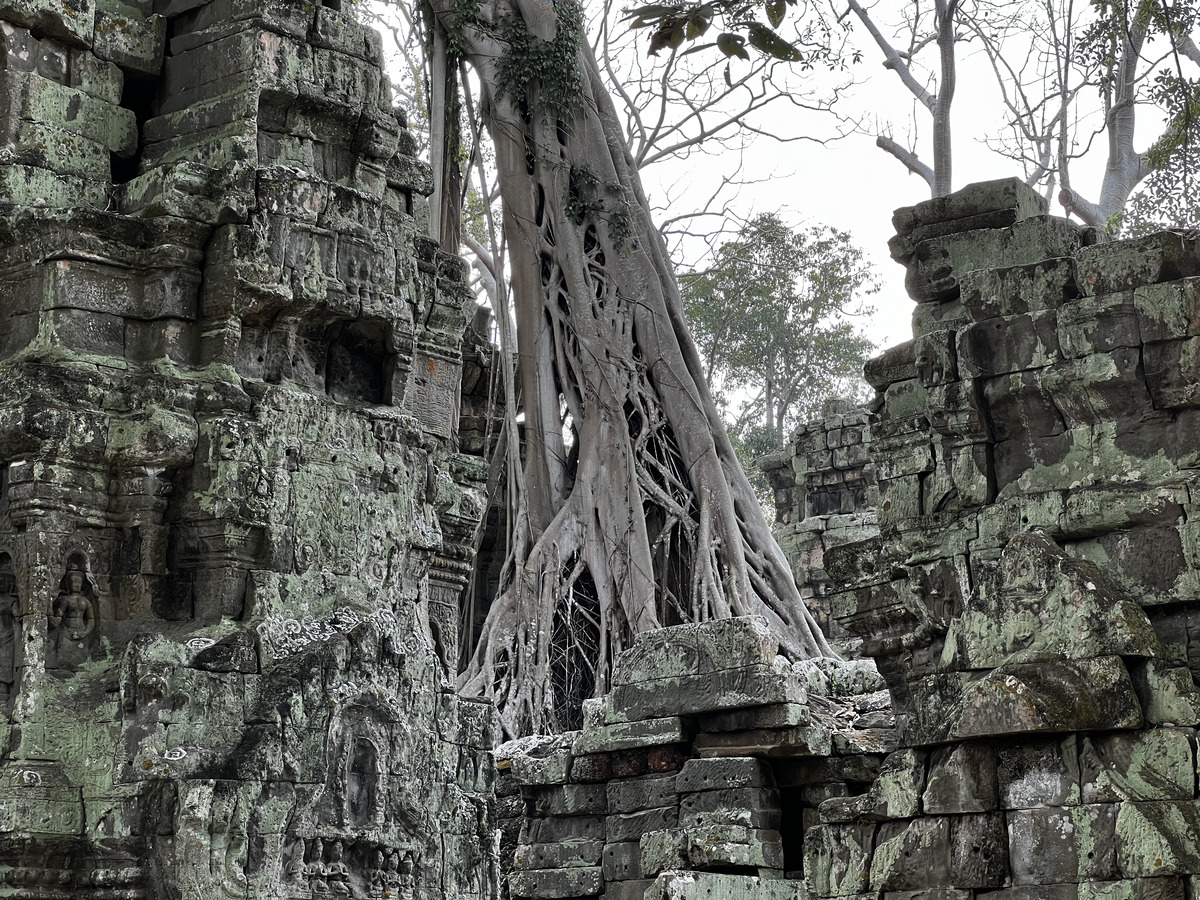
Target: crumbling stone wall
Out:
[234,522]
[825,496]
[1029,598]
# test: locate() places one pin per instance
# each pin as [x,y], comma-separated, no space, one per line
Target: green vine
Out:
[551,66]
[584,197]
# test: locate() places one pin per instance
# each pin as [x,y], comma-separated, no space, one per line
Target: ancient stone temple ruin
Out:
[242,456]
[1008,537]
[233,516]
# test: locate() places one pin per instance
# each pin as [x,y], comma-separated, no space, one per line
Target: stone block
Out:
[558,829]
[627,890]
[1039,773]
[553,884]
[895,794]
[723,774]
[1068,844]
[1168,694]
[1009,199]
[938,893]
[1035,892]
[1098,324]
[1173,372]
[1133,889]
[912,855]
[778,715]
[134,43]
[1105,386]
[696,650]
[750,807]
[1158,838]
[718,846]
[569,800]
[894,364]
[1121,265]
[979,851]
[1050,696]
[1017,290]
[711,885]
[935,264]
[631,826]
[1158,764]
[622,861]
[1168,311]
[663,850]
[837,859]
[626,735]
[548,761]
[962,779]
[561,855]
[637,794]
[803,740]
[1006,345]
[1046,601]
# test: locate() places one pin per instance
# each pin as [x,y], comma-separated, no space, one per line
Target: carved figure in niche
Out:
[10,625]
[339,873]
[72,621]
[316,870]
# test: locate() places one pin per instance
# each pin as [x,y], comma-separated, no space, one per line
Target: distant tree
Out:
[773,321]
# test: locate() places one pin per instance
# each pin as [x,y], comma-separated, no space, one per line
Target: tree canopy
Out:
[774,321]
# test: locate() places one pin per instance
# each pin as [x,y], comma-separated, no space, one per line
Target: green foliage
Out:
[550,67]
[773,322]
[1170,195]
[673,24]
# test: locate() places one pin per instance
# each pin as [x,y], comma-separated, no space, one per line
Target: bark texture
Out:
[632,511]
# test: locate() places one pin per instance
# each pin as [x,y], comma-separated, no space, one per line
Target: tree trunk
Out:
[638,513]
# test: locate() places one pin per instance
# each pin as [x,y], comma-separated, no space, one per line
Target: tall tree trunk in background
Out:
[636,513]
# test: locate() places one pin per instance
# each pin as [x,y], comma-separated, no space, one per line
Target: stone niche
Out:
[234,521]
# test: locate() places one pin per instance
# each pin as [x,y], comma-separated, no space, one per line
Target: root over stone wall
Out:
[1026,588]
